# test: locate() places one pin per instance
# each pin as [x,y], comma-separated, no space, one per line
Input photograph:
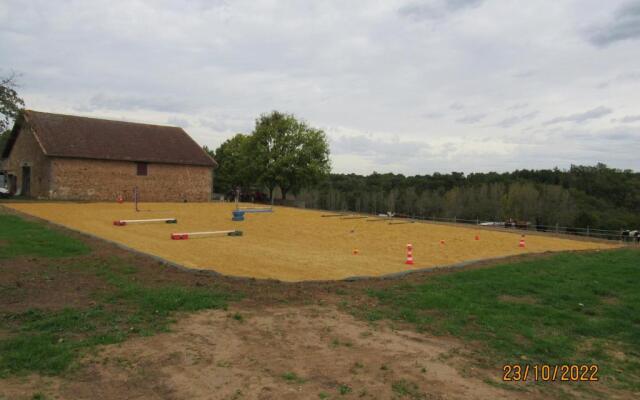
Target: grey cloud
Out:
[432,10]
[459,4]
[524,74]
[420,11]
[597,138]
[621,136]
[456,106]
[511,121]
[581,117]
[383,68]
[175,121]
[471,119]
[381,151]
[226,124]
[625,25]
[432,115]
[216,125]
[518,106]
[629,76]
[630,118]
[136,102]
[625,78]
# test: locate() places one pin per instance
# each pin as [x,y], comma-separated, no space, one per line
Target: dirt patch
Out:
[279,353]
[610,300]
[28,283]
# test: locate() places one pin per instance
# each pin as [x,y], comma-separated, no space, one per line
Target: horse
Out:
[631,236]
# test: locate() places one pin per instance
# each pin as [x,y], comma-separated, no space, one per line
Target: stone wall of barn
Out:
[26,152]
[79,179]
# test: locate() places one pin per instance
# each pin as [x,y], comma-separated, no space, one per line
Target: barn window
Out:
[142,168]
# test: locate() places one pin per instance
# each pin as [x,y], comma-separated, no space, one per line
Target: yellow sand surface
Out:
[290,244]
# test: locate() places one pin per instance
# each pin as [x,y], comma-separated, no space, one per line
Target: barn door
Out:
[13,184]
[26,181]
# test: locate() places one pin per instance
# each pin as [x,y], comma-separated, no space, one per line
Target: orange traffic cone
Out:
[477,237]
[120,199]
[409,254]
[442,241]
[521,242]
[355,252]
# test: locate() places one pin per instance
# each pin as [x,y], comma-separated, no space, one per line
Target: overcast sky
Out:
[410,87]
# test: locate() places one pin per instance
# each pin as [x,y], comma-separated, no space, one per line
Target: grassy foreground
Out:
[21,238]
[569,308]
[48,342]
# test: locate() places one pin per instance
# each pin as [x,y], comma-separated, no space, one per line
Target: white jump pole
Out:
[123,222]
[354,217]
[256,210]
[401,222]
[187,235]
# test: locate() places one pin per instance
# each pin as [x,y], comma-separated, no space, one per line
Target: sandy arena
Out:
[290,244]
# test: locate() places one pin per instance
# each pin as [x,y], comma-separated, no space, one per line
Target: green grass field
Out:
[49,342]
[23,238]
[568,308]
[565,308]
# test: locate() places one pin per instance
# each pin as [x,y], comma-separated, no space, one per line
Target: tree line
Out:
[283,153]
[583,196]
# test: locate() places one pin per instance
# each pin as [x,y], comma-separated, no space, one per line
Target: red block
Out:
[179,236]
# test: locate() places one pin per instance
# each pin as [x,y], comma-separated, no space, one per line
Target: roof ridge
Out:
[34,133]
[103,119]
[64,135]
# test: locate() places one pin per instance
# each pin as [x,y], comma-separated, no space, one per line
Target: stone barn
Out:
[65,157]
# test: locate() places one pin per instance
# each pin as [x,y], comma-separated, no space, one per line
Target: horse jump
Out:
[187,235]
[123,222]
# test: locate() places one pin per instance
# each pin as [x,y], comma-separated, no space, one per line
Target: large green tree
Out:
[236,167]
[10,106]
[10,102]
[4,136]
[288,153]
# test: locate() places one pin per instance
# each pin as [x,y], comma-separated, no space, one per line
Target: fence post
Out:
[477,221]
[454,219]
[587,230]
[557,226]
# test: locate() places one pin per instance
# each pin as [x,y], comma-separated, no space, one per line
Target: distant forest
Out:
[582,196]
[285,155]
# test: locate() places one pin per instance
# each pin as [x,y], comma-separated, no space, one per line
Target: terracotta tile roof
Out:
[83,137]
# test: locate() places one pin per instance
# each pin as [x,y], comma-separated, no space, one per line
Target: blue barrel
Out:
[238,215]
